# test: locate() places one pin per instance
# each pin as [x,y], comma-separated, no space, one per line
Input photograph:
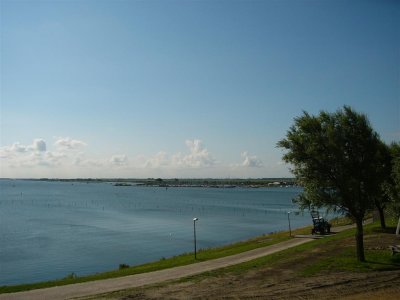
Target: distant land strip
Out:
[182,182]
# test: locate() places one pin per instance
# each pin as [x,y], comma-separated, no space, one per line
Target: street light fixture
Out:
[194,236]
[288,217]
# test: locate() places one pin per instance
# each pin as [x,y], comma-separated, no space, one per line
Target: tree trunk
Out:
[360,240]
[398,227]
[381,216]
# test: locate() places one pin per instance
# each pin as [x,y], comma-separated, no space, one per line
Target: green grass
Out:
[164,263]
[342,260]
[345,259]
[376,260]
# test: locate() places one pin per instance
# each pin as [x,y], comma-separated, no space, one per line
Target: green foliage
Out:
[392,186]
[382,173]
[334,157]
[337,158]
[123,266]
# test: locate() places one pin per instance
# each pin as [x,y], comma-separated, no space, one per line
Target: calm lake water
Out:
[51,229]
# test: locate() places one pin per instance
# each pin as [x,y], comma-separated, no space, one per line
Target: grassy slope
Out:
[343,259]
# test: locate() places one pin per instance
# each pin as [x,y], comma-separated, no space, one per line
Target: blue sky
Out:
[185,88]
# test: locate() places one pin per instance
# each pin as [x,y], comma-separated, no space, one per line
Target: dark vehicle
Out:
[321,226]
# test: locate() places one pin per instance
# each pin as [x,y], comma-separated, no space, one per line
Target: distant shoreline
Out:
[183,182]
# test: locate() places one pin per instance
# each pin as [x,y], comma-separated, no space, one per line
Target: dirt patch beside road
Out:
[336,285]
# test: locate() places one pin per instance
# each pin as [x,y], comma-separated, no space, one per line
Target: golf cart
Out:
[321,226]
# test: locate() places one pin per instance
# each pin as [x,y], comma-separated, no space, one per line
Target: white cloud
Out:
[251,161]
[119,160]
[26,155]
[7,152]
[17,147]
[68,157]
[38,145]
[81,161]
[67,143]
[55,158]
[29,159]
[198,157]
[37,154]
[159,160]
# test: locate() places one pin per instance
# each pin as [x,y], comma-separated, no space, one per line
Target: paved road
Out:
[115,284]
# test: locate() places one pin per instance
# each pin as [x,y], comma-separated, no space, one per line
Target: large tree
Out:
[334,156]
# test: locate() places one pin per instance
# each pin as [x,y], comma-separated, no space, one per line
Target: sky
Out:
[174,89]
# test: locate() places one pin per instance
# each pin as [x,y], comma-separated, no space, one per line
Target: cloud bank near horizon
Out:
[68,157]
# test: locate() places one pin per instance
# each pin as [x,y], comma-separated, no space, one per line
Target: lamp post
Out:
[288,217]
[194,236]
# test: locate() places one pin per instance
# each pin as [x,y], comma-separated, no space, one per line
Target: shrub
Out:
[123,266]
